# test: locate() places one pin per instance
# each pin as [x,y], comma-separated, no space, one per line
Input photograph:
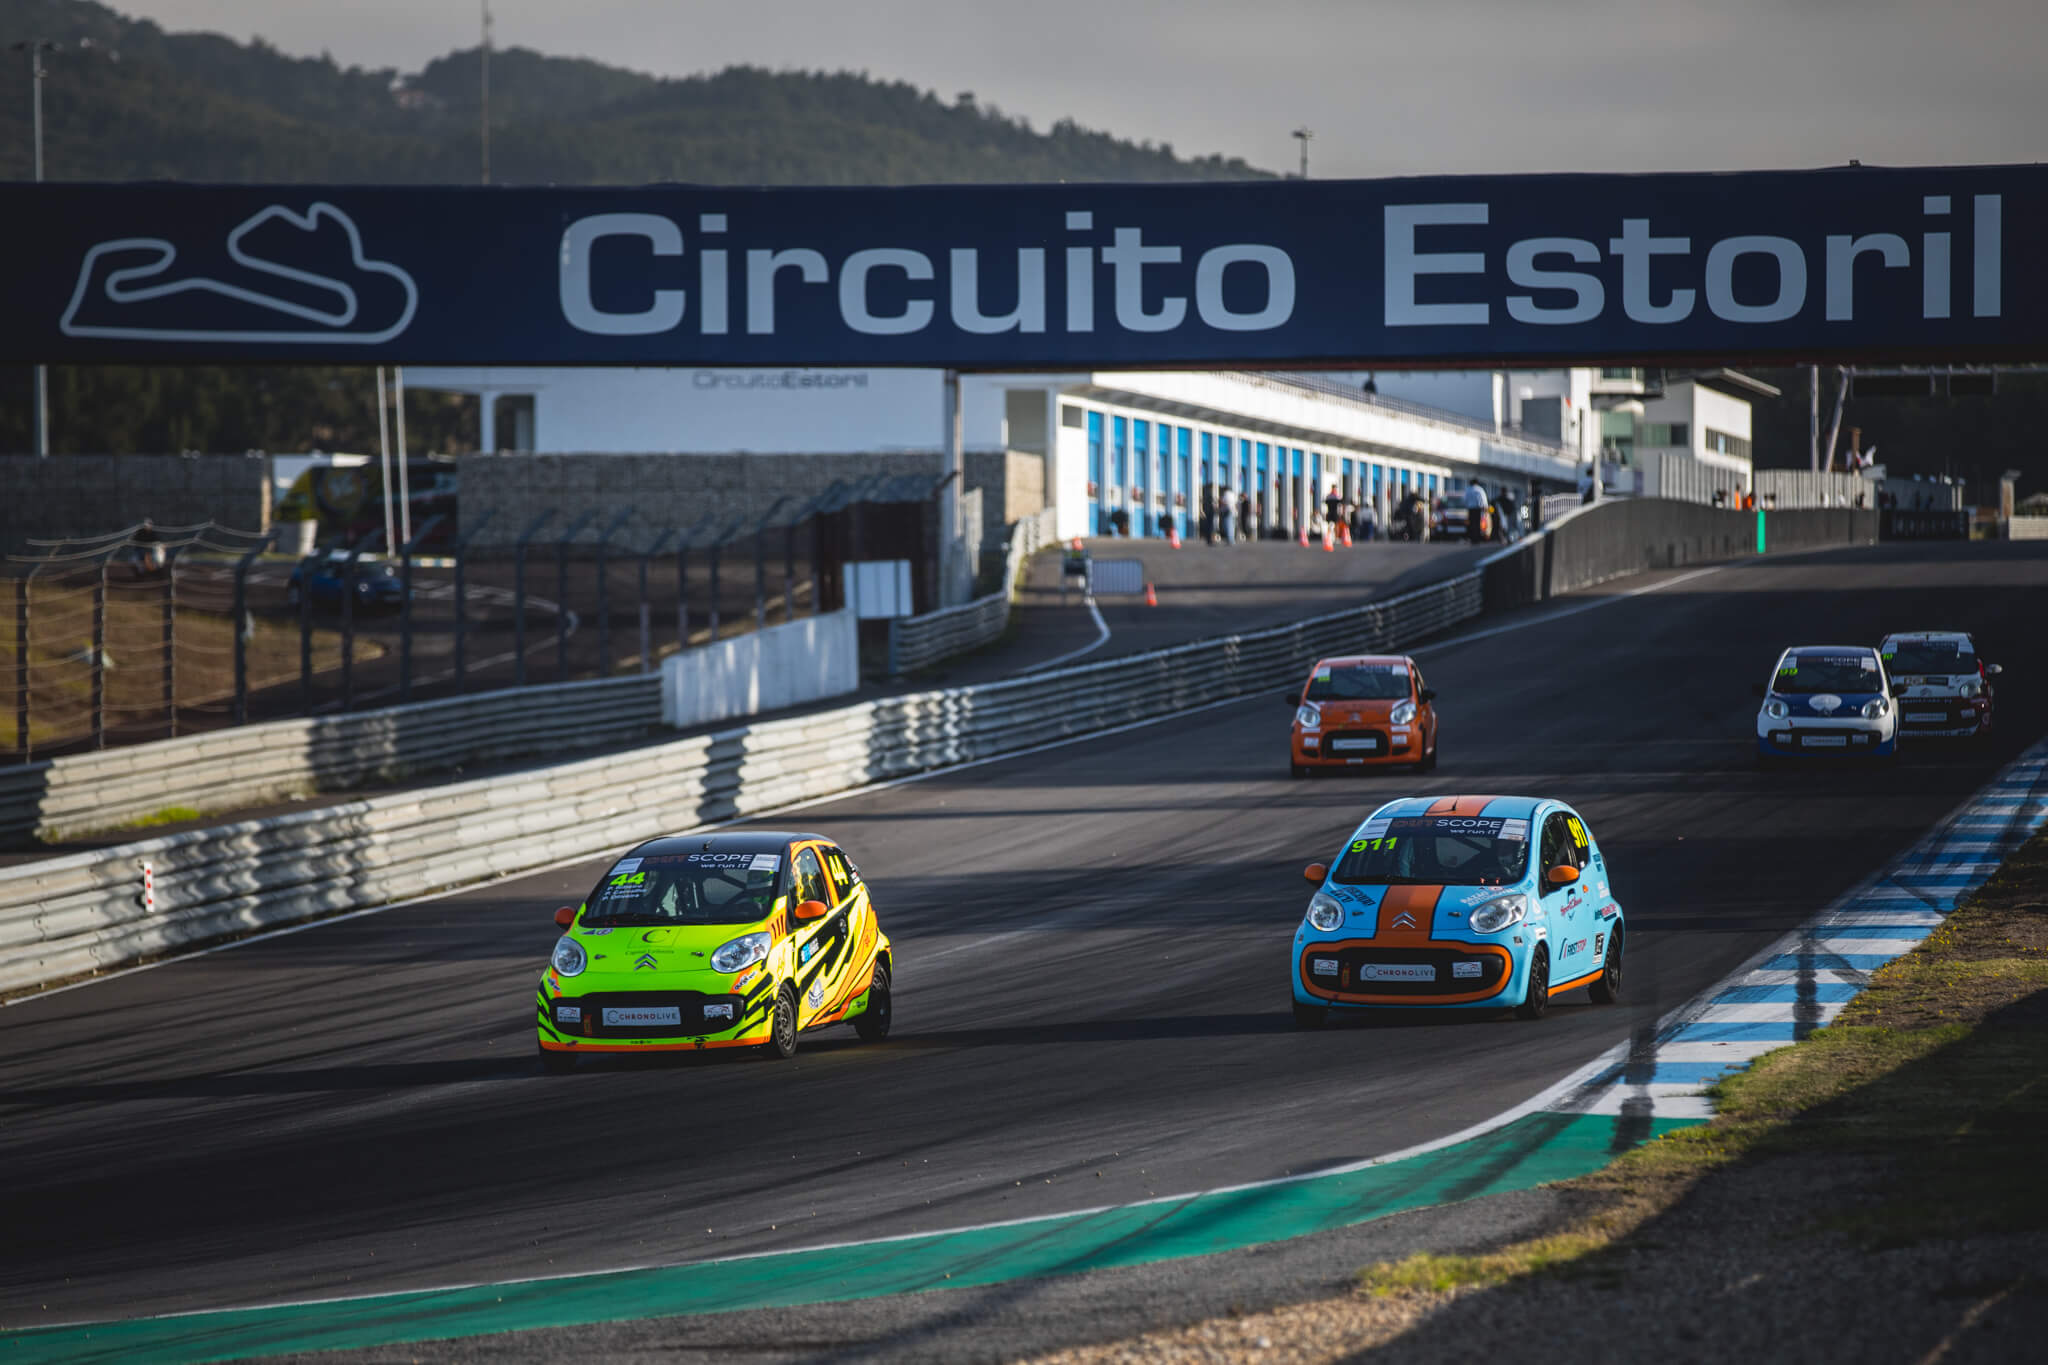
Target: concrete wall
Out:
[765,670]
[1012,484]
[82,495]
[663,491]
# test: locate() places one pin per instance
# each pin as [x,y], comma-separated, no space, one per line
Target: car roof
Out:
[1343,660]
[1803,650]
[1928,636]
[735,841]
[1504,807]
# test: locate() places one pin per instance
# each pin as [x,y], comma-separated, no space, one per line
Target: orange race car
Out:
[1366,710]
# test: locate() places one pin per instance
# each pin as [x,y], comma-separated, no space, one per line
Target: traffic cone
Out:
[1344,530]
[1077,544]
[1151,597]
[1172,535]
[1329,541]
[1302,539]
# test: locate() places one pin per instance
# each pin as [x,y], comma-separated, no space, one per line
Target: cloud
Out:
[286,277]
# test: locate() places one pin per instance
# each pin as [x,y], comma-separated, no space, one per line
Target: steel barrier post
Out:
[21,669]
[461,550]
[241,615]
[646,609]
[604,615]
[761,563]
[305,573]
[519,596]
[168,627]
[99,659]
[405,554]
[562,595]
[683,583]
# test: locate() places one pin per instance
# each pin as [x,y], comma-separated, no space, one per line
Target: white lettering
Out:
[1934,275]
[762,267]
[1128,258]
[853,291]
[1791,296]
[1080,288]
[1636,246]
[1842,253]
[1404,263]
[1279,306]
[1522,270]
[664,310]
[1029,314]
[1986,300]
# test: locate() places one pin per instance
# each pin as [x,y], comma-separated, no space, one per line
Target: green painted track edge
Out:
[1535,1149]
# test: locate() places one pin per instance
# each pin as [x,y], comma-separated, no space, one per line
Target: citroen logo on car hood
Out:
[644,963]
[1404,920]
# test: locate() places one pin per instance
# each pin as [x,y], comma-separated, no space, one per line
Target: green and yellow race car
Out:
[727,940]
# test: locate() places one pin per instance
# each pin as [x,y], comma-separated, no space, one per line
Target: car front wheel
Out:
[1309,1016]
[1536,1002]
[557,1063]
[781,1044]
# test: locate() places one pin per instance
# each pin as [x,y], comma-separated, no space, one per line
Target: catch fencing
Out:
[149,633]
[99,910]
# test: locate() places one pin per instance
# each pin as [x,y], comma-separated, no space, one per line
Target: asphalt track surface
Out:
[1092,950]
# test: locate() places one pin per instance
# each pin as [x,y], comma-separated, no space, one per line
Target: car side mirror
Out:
[1293,699]
[1564,874]
[1760,689]
[1428,694]
[1315,872]
[566,916]
[1992,670]
[811,910]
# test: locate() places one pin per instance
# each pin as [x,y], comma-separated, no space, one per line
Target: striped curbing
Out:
[1804,980]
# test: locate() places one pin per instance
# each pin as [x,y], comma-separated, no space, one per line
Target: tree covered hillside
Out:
[140,103]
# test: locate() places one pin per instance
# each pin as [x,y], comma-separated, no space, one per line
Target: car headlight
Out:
[1309,717]
[1776,709]
[1324,913]
[1403,712]
[1875,707]
[1500,912]
[741,953]
[569,958]
[1973,689]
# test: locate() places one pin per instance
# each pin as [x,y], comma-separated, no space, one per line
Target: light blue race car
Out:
[1470,902]
[1827,701]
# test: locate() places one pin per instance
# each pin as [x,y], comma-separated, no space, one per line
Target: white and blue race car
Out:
[1944,687]
[1827,700]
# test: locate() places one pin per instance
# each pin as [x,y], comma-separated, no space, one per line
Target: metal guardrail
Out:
[918,642]
[99,910]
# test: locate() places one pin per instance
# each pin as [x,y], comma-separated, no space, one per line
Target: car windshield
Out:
[685,888]
[1806,674]
[1437,850]
[1359,682]
[1930,656]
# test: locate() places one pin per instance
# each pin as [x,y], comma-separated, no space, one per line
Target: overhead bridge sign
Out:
[1857,262]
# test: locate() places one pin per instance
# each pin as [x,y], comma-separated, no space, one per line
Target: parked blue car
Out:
[320,578]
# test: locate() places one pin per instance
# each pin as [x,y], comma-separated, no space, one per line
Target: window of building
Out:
[1664,434]
[1141,462]
[1094,454]
[1119,444]
[1070,416]
[1722,443]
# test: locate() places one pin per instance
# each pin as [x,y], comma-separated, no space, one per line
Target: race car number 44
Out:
[1397,971]
[627,1016]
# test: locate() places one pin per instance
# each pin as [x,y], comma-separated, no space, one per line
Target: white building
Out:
[1144,443]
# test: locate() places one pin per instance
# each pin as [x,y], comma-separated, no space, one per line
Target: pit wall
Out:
[1638,535]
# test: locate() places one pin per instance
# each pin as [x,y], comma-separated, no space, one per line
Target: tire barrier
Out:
[81,913]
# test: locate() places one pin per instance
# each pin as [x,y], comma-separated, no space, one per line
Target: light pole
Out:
[1304,133]
[36,47]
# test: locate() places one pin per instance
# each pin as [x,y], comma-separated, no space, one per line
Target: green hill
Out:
[140,103]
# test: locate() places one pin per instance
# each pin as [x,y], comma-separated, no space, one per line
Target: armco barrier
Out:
[1635,535]
[918,642]
[251,764]
[83,912]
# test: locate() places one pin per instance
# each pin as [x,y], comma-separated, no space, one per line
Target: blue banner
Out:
[1853,263]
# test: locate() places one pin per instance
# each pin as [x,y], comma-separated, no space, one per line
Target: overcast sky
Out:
[1394,87]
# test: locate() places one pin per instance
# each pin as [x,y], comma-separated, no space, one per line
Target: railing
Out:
[1442,417]
[918,642]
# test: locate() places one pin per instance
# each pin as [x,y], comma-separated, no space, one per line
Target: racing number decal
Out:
[1374,845]
[1571,822]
